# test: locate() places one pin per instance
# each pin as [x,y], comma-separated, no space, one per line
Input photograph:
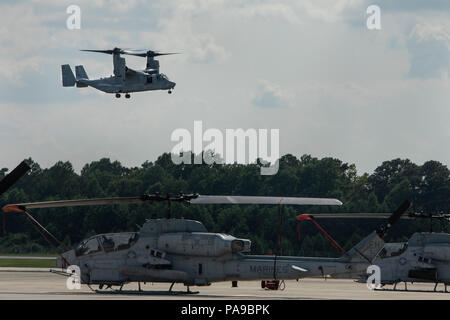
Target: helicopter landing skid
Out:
[406,289]
[145,292]
[150,292]
[411,290]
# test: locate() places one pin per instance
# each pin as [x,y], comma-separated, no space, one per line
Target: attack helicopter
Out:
[425,257]
[125,80]
[173,251]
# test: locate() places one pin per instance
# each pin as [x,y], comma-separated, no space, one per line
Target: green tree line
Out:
[427,186]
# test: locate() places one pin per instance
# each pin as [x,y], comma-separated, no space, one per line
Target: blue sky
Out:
[309,68]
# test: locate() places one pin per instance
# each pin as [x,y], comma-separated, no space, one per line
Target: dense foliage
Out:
[428,186]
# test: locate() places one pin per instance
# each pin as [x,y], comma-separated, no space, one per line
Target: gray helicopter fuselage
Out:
[424,258]
[181,250]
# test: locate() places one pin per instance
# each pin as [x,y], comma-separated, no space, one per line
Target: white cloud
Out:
[343,88]
[178,32]
[328,10]
[283,11]
[435,30]
[22,39]
[429,46]
[178,35]
[270,95]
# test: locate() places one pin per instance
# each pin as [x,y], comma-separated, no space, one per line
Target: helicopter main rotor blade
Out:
[264,200]
[144,54]
[21,207]
[194,199]
[100,51]
[13,176]
[131,52]
[162,54]
[356,215]
[113,51]
[392,217]
[361,215]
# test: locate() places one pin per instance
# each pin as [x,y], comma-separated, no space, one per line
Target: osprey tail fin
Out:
[68,79]
[81,73]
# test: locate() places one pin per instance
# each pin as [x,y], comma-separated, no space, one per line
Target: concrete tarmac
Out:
[45,286]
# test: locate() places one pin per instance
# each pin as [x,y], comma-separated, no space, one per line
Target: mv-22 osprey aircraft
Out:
[125,79]
[183,251]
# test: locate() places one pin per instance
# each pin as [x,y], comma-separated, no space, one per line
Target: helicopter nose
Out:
[65,259]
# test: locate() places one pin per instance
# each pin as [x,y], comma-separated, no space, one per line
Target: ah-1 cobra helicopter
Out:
[125,80]
[425,257]
[183,251]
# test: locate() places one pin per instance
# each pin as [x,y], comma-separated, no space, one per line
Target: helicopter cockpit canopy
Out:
[163,76]
[107,243]
[88,246]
